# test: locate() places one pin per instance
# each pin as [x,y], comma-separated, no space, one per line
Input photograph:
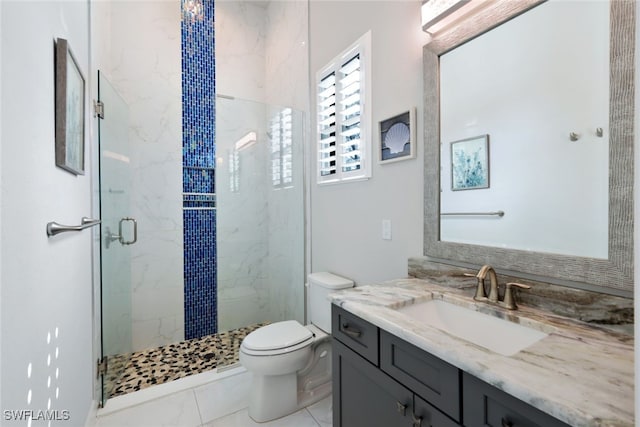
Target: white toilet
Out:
[291,363]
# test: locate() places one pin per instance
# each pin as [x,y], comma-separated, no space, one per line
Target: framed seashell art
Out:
[398,137]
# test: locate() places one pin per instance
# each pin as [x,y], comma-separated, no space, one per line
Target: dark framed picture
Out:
[470,163]
[398,137]
[70,110]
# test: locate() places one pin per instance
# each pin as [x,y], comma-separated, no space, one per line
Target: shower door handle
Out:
[111,237]
[135,231]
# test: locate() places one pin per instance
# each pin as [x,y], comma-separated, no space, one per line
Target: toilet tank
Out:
[320,286]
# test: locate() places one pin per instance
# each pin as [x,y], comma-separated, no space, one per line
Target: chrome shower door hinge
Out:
[98,109]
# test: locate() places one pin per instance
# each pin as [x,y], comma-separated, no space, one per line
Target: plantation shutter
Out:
[343,117]
[350,114]
[327,125]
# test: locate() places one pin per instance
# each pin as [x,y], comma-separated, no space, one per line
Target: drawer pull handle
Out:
[506,422]
[417,422]
[349,331]
[402,409]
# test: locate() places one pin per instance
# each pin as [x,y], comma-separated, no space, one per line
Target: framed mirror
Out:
[609,267]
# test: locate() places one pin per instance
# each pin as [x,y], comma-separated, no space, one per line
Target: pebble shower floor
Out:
[136,371]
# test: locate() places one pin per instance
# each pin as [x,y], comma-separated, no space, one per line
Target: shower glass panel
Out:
[117,228]
[260,214]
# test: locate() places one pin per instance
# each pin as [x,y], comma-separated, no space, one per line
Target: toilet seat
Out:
[277,338]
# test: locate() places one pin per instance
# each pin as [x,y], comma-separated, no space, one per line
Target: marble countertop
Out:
[580,374]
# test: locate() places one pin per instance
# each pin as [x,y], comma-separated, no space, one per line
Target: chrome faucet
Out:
[508,301]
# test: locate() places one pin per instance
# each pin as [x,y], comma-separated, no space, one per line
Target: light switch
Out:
[386,229]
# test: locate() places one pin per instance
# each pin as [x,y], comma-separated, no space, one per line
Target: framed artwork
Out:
[70,110]
[398,137]
[470,163]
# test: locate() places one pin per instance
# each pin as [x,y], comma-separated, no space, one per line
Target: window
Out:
[344,115]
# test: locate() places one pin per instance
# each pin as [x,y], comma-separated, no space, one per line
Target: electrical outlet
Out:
[386,229]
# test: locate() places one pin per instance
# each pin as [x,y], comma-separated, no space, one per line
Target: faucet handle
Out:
[481,294]
[518,285]
[509,300]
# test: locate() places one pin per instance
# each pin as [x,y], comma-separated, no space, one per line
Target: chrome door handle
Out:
[135,231]
[111,237]
[54,228]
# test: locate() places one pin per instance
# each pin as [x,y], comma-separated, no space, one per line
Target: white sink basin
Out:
[498,335]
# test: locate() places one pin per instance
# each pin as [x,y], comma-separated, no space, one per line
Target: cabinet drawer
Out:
[430,415]
[357,334]
[487,406]
[431,378]
[363,396]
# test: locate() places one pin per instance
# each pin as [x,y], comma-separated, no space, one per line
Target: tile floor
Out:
[222,403]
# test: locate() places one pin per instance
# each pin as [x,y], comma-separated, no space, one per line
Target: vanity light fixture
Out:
[440,14]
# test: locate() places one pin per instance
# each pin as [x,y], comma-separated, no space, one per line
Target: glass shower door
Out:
[118,229]
[260,213]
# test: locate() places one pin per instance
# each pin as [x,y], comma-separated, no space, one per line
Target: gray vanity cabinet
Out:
[365,395]
[380,380]
[431,378]
[486,406]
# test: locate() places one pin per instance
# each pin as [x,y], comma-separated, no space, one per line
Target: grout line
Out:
[312,417]
[193,391]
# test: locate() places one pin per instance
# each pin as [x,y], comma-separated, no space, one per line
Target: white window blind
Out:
[282,149]
[350,109]
[327,124]
[344,145]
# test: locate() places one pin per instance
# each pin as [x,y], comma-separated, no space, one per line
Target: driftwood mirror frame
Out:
[613,275]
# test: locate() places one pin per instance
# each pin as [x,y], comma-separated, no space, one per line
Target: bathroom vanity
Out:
[393,368]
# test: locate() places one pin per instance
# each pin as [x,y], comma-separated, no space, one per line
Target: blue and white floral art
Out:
[470,163]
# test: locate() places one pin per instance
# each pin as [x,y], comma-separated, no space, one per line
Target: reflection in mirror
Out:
[575,107]
[528,90]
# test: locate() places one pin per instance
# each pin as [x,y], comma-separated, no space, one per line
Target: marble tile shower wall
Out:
[243,296]
[287,83]
[261,55]
[198,158]
[143,66]
[243,291]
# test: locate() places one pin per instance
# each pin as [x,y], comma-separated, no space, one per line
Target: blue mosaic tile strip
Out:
[200,273]
[197,180]
[198,91]
[198,161]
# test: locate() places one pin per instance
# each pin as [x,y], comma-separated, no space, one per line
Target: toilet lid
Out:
[277,335]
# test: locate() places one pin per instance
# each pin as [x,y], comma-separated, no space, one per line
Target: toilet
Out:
[291,363]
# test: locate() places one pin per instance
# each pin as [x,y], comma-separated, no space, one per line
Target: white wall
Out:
[346,219]
[46,294]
